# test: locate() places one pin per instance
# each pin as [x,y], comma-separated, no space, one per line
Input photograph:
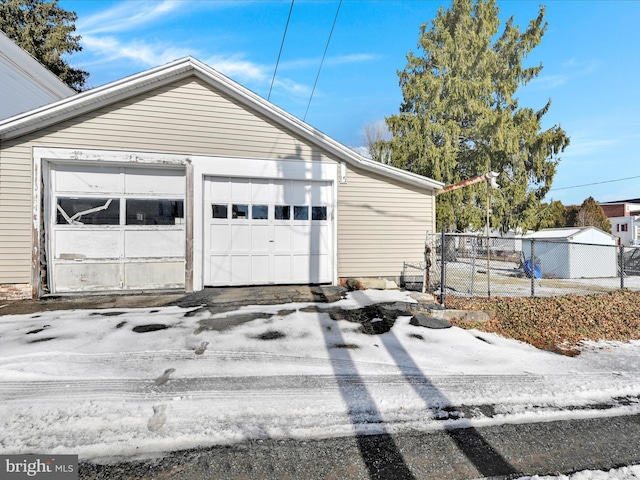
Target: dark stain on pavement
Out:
[153,327]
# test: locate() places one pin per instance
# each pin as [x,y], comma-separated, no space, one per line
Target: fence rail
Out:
[473,265]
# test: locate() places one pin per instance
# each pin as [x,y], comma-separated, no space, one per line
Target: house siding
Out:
[190,117]
[375,239]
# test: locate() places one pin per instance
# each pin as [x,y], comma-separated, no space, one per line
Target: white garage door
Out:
[266,231]
[115,228]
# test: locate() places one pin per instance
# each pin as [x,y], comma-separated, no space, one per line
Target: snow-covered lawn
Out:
[84,382]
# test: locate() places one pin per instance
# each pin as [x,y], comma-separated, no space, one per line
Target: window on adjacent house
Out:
[624,227]
[88,211]
[154,212]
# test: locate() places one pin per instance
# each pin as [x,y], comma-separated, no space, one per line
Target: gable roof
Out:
[142,82]
[567,233]
[26,83]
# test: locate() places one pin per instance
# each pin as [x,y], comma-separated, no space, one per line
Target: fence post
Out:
[443,271]
[621,260]
[533,267]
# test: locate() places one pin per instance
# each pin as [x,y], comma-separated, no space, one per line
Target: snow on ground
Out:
[84,382]
[623,473]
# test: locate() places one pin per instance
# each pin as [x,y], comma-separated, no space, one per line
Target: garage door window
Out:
[87,211]
[240,211]
[318,213]
[282,212]
[300,212]
[154,212]
[219,211]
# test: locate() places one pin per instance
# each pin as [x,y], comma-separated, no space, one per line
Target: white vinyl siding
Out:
[381,224]
[15,215]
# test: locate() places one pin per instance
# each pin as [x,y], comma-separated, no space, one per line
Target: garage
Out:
[180,178]
[267,231]
[114,227]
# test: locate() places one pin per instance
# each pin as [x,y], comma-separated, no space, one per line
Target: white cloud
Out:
[141,52]
[304,63]
[238,68]
[582,67]
[126,16]
[547,82]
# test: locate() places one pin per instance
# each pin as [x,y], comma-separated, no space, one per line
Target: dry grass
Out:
[559,324]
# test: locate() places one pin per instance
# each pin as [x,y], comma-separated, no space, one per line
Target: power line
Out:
[595,183]
[323,56]
[280,52]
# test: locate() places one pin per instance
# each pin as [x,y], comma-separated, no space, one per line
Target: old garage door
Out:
[115,227]
[267,231]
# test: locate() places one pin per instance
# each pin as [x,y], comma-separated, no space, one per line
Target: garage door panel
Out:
[87,276]
[87,179]
[319,239]
[240,269]
[260,238]
[79,244]
[282,238]
[300,238]
[282,268]
[154,274]
[219,238]
[240,238]
[152,181]
[218,190]
[300,268]
[260,269]
[241,190]
[219,269]
[164,243]
[260,191]
[321,193]
[298,193]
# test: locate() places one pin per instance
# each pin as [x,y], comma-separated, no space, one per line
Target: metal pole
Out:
[621,266]
[532,265]
[488,248]
[443,270]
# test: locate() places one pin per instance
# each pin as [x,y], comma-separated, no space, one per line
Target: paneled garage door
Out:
[267,231]
[112,228]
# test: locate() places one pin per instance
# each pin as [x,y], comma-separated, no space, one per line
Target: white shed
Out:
[574,252]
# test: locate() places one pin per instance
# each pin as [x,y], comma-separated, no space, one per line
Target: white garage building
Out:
[178,177]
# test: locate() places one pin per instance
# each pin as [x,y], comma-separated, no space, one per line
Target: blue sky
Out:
[590,53]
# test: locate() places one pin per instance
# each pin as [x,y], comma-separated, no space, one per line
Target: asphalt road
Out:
[504,451]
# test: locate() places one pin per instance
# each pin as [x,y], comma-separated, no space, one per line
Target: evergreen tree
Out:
[44,30]
[460,118]
[551,215]
[590,213]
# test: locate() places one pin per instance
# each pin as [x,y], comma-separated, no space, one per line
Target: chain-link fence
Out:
[473,265]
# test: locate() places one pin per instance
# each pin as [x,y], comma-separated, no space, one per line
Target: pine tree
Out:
[460,118]
[44,30]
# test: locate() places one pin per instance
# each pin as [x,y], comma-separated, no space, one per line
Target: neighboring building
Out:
[624,216]
[178,177]
[25,83]
[573,252]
